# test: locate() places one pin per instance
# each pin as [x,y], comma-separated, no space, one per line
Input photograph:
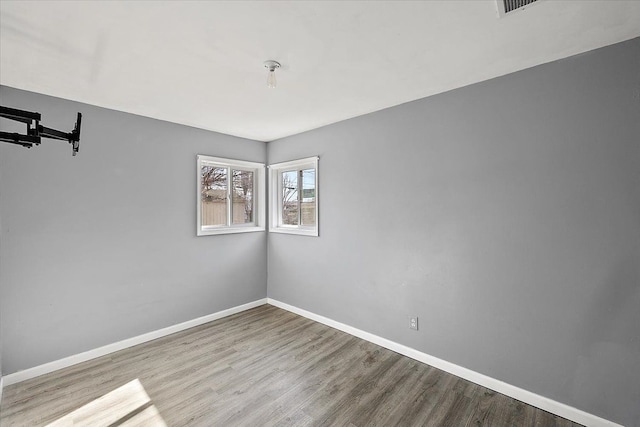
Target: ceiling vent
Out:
[506,7]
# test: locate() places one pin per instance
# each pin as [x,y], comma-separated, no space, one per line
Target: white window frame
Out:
[259,221]
[275,196]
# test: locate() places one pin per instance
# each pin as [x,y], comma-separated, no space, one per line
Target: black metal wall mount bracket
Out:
[35,131]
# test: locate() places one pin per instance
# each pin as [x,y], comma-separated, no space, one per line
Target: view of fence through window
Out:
[216,196]
[242,196]
[299,197]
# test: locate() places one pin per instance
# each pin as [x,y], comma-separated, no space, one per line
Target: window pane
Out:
[242,207]
[290,198]
[308,205]
[214,196]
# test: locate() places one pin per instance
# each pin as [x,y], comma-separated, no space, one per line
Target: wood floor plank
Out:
[263,367]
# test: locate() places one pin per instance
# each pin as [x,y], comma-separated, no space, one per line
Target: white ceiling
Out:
[201,63]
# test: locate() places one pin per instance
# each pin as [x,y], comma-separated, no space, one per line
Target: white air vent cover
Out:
[508,6]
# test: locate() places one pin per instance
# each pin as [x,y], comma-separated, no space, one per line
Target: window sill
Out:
[300,231]
[228,230]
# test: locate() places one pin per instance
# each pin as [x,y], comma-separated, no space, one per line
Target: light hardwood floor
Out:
[264,366]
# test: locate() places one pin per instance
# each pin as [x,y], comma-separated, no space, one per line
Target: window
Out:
[293,190]
[230,196]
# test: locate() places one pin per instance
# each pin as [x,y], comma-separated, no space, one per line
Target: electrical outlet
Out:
[413,323]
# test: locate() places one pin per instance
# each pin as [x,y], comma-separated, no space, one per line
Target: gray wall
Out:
[102,247]
[506,215]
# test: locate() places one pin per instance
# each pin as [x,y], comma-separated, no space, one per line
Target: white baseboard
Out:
[120,345]
[1,386]
[533,399]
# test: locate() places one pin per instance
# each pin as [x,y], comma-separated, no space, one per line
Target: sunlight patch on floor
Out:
[128,405]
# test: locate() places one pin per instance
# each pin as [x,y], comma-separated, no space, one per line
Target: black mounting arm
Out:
[35,131]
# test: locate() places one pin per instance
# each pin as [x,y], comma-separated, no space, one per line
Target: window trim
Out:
[258,170]
[275,199]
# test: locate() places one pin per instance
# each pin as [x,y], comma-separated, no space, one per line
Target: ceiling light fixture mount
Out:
[272,66]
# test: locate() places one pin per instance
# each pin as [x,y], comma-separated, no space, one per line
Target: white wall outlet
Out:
[413,323]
